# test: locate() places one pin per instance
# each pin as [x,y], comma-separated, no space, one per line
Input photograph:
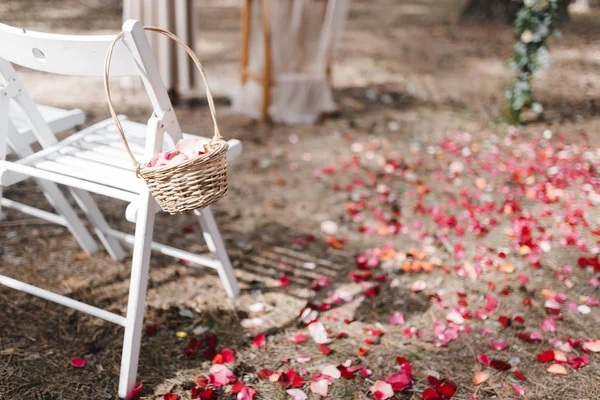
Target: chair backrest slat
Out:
[84,56]
[64,54]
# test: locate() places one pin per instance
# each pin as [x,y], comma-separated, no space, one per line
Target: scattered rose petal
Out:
[303,358]
[557,369]
[592,345]
[519,375]
[318,332]
[480,377]
[332,371]
[546,356]
[418,286]
[519,390]
[549,325]
[324,349]
[78,362]
[299,338]
[220,375]
[320,387]
[246,394]
[430,394]
[396,318]
[297,394]
[498,345]
[228,356]
[402,379]
[500,365]
[259,341]
[381,390]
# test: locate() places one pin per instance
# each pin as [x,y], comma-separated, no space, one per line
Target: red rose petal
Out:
[237,387]
[78,362]
[259,341]
[448,389]
[500,365]
[324,349]
[519,375]
[546,356]
[430,394]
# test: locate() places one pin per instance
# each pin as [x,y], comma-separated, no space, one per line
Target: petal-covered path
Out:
[507,271]
[409,247]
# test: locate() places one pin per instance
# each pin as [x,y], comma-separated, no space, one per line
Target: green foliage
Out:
[533,26]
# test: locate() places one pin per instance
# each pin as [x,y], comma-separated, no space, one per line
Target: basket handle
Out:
[193,56]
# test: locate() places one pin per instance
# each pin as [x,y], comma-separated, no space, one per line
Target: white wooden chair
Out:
[93,160]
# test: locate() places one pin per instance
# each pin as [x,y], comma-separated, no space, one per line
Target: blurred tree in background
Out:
[505,10]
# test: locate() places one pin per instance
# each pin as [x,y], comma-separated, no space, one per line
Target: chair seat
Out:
[58,119]
[97,154]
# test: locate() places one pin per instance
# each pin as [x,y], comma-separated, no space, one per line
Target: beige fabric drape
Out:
[177,16]
[304,36]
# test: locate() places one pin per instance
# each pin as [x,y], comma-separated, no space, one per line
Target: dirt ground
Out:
[408,76]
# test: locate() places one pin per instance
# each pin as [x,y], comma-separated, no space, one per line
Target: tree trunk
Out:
[502,10]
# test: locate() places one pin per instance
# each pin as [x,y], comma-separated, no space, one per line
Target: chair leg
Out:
[267,78]
[216,246]
[2,216]
[137,295]
[4,104]
[246,11]
[88,205]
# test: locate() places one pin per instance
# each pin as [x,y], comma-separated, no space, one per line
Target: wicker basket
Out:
[195,183]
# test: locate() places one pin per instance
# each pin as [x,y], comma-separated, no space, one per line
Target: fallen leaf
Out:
[82,256]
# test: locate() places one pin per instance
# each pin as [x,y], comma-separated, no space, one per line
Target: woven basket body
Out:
[195,183]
